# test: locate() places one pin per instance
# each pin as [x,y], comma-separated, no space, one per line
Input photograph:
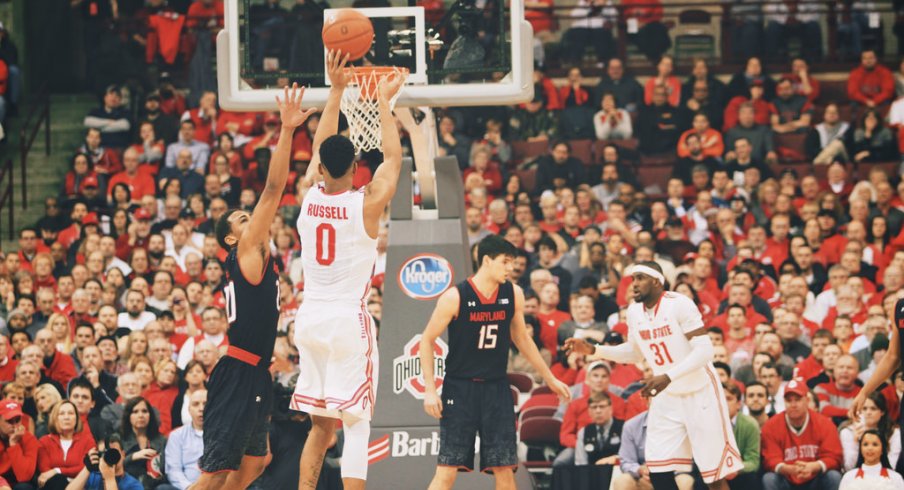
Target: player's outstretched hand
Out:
[335,69]
[290,111]
[433,405]
[656,384]
[561,389]
[856,406]
[389,85]
[579,346]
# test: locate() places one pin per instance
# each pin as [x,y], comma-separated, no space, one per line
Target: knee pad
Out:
[663,481]
[356,433]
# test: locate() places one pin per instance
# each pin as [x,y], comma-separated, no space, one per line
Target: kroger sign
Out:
[425,276]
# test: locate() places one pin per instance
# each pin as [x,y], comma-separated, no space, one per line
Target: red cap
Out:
[90,219]
[142,214]
[757,82]
[10,409]
[797,386]
[690,256]
[89,181]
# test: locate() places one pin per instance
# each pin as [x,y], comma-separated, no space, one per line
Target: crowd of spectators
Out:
[112,305]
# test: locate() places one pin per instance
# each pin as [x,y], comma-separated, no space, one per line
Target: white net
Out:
[361,108]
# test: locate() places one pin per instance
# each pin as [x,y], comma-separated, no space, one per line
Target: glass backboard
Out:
[469,52]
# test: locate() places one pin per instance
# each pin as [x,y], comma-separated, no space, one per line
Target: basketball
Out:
[348,31]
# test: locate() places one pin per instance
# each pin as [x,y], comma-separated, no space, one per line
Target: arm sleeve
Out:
[568,431]
[830,453]
[625,353]
[689,317]
[174,471]
[853,87]
[580,454]
[849,448]
[95,122]
[624,128]
[772,452]
[599,125]
[170,160]
[750,452]
[25,459]
[627,454]
[701,353]
[118,125]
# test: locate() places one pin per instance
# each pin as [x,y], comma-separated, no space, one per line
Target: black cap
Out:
[155,95]
[186,214]
[826,212]
[674,221]
[788,171]
[166,314]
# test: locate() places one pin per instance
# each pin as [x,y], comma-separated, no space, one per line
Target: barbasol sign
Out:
[425,276]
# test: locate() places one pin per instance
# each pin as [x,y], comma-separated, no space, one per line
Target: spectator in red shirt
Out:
[664,78]
[539,14]
[549,315]
[800,446]
[482,165]
[572,94]
[205,118]
[871,84]
[18,447]
[836,397]
[56,464]
[205,13]
[140,183]
[150,149]
[711,142]
[162,393]
[56,365]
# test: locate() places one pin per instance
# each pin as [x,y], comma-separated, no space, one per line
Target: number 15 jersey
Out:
[480,335]
[337,254]
[660,336]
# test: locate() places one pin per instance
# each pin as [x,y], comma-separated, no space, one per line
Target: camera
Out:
[111,457]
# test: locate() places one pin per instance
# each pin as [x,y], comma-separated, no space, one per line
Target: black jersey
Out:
[480,335]
[252,309]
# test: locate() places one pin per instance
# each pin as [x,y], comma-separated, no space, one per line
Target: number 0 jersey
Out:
[660,336]
[480,335]
[252,309]
[337,254]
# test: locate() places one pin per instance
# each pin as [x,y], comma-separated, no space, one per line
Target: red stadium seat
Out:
[537,412]
[528,178]
[528,150]
[545,400]
[541,436]
[523,382]
[541,390]
[515,395]
[582,150]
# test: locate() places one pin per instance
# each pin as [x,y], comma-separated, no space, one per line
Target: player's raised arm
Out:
[383,186]
[528,349]
[886,367]
[445,311]
[252,247]
[329,118]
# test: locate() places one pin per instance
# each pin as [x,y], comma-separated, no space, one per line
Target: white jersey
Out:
[337,254]
[659,334]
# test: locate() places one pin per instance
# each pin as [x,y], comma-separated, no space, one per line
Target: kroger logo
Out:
[425,276]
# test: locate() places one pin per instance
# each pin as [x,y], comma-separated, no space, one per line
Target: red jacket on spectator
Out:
[8,369]
[162,399]
[549,328]
[20,460]
[4,77]
[204,126]
[50,454]
[61,369]
[808,369]
[581,97]
[540,18]
[814,86]
[550,93]
[876,85]
[164,33]
[645,11]
[710,140]
[837,400]
[673,90]
[140,185]
[818,442]
[577,416]
[201,15]
[492,176]
[761,110]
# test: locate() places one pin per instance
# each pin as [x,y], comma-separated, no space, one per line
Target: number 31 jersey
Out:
[337,255]
[480,336]
[660,336]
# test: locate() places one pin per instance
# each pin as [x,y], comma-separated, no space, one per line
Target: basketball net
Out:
[361,105]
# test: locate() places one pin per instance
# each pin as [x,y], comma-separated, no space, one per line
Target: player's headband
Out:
[643,269]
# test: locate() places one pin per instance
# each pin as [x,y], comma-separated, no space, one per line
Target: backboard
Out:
[469,52]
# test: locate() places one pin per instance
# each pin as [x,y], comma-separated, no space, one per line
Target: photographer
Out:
[104,469]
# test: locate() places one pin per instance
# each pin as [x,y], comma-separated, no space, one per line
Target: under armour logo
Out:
[504,301]
[450,402]
[472,304]
[257,399]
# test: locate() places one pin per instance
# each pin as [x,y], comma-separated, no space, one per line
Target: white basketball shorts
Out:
[338,360]
[693,427]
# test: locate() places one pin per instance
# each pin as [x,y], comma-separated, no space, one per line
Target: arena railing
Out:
[38,116]
[6,195]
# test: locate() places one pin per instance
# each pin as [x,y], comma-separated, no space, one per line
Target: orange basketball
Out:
[348,31]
